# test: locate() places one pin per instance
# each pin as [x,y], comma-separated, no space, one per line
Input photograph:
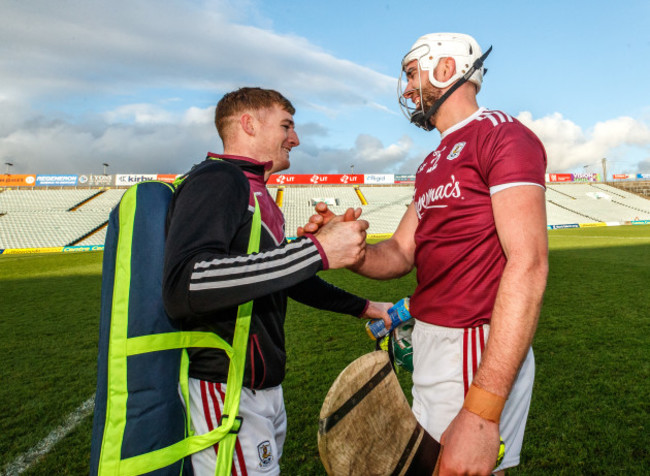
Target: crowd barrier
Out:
[597,224]
[55,249]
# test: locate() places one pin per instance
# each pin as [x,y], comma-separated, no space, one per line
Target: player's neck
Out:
[458,107]
[448,119]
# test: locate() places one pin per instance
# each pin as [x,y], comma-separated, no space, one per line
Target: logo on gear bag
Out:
[264,452]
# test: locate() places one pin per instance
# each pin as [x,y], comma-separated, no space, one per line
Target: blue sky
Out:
[134,83]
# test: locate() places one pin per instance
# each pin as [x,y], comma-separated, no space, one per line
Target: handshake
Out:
[342,237]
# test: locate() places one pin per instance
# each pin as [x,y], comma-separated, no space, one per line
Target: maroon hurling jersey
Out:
[458,256]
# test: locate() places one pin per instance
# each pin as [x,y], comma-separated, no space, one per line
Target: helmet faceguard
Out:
[428,50]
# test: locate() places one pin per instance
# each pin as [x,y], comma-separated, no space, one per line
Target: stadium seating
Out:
[46,229]
[590,203]
[385,207]
[53,218]
[42,200]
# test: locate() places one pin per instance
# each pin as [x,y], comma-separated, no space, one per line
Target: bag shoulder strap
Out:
[226,433]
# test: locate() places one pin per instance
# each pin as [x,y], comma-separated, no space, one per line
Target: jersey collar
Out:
[464,122]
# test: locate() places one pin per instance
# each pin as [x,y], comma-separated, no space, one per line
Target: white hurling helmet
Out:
[429,49]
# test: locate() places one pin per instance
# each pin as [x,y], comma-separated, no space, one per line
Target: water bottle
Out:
[399,314]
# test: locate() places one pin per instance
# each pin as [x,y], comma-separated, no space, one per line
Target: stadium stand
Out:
[386,206]
[42,200]
[298,202]
[55,218]
[592,203]
[106,201]
[639,187]
[42,218]
[46,229]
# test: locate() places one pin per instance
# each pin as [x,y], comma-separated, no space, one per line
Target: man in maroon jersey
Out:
[476,232]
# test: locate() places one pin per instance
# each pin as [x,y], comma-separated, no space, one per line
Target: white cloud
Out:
[368,155]
[143,138]
[104,48]
[114,81]
[195,116]
[370,150]
[139,114]
[569,146]
[145,146]
[86,82]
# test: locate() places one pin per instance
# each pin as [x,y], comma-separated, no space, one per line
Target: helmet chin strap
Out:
[420,119]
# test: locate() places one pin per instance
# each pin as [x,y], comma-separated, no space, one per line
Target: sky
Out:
[134,83]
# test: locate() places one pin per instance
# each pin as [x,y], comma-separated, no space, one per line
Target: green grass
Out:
[48,336]
[589,412]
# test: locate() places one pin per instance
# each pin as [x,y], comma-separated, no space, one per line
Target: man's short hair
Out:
[243,99]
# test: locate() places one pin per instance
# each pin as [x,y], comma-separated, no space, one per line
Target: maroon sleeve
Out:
[513,153]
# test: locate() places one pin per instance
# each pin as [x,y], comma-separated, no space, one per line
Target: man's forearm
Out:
[513,325]
[394,257]
[209,282]
[383,260]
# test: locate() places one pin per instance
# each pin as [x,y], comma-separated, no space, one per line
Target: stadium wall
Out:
[31,181]
[126,180]
[56,249]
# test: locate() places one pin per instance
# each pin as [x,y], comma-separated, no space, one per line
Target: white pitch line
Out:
[28,458]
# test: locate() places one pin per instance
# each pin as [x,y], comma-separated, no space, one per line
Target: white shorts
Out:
[260,438]
[445,360]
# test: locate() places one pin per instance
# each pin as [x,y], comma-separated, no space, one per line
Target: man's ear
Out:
[247,122]
[446,69]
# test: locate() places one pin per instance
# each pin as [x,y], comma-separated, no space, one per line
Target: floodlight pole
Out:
[352,169]
[604,162]
[105,167]
[8,164]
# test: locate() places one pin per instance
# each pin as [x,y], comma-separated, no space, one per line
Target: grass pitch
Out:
[589,412]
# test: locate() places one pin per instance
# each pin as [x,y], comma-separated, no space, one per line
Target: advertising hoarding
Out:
[96,180]
[560,227]
[316,179]
[73,249]
[592,225]
[404,178]
[560,177]
[585,177]
[122,180]
[18,251]
[56,180]
[168,178]
[17,180]
[379,179]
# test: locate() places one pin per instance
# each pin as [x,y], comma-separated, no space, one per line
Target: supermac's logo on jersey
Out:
[432,197]
[455,152]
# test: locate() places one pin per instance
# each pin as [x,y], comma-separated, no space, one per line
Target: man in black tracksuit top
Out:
[208,273]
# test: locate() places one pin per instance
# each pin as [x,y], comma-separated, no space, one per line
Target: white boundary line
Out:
[28,458]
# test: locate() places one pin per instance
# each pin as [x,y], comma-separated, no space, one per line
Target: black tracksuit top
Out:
[208,273]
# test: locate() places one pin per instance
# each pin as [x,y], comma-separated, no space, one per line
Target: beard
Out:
[429,96]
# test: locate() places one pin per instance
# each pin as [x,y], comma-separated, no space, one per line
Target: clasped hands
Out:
[342,237]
